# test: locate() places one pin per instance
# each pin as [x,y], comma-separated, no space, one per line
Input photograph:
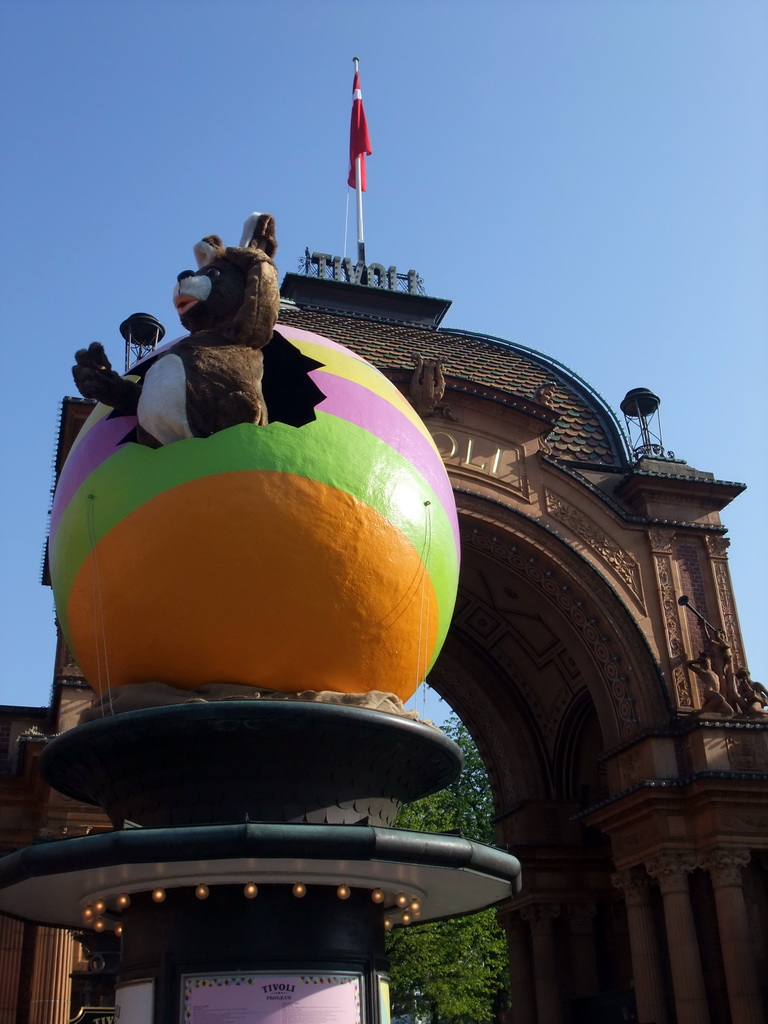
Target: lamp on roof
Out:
[142,333]
[641,412]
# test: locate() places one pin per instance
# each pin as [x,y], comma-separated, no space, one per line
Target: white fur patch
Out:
[248,228]
[204,253]
[163,400]
[198,286]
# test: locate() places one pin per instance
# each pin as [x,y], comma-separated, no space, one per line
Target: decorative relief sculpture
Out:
[557,588]
[671,870]
[427,387]
[545,394]
[726,692]
[725,866]
[752,697]
[635,885]
[713,702]
[540,916]
[682,687]
[619,560]
[661,540]
[747,751]
[717,545]
[727,606]
[661,543]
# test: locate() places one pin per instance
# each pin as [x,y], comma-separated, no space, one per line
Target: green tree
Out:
[452,972]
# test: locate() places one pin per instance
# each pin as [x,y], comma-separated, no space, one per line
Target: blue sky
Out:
[587,178]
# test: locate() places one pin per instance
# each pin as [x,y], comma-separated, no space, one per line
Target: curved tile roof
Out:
[586,431]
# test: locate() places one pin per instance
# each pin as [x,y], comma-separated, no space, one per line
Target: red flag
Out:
[359,140]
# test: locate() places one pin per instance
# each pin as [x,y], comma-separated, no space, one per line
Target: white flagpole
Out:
[359,190]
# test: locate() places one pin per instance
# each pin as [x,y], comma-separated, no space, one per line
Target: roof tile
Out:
[583,433]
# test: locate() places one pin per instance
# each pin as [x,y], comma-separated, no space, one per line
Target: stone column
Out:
[51,987]
[649,989]
[671,871]
[724,867]
[583,959]
[545,974]
[11,936]
[522,1009]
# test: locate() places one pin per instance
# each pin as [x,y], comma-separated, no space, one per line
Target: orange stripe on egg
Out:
[251,578]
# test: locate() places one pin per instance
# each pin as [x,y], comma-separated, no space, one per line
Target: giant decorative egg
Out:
[320,557]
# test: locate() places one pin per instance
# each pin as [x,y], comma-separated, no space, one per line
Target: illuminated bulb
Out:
[99,926]
[99,906]
[119,930]
[251,891]
[415,904]
[343,892]
[405,918]
[87,913]
[202,892]
[387,924]
[402,900]
[158,895]
[377,895]
[299,890]
[123,900]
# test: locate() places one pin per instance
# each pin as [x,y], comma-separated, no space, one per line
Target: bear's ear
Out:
[207,250]
[259,233]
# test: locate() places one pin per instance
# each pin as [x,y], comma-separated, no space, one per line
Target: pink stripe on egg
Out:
[97,445]
[358,405]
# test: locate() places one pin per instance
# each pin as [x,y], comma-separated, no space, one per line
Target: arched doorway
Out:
[640,823]
[548,670]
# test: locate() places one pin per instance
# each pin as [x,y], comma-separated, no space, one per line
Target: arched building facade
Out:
[640,820]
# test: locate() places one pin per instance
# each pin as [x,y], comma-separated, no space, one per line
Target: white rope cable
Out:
[423,589]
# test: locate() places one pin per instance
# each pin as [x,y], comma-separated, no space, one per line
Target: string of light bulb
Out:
[97,915]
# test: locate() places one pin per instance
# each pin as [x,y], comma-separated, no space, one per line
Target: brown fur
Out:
[222,355]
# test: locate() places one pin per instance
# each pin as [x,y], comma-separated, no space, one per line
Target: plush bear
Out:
[212,379]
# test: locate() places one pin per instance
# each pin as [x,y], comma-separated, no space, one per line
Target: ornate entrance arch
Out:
[540,645]
[641,823]
[568,661]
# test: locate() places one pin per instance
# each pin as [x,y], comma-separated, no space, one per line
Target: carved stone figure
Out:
[752,697]
[427,384]
[723,662]
[545,394]
[713,700]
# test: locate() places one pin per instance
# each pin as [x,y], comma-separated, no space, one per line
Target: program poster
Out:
[271,999]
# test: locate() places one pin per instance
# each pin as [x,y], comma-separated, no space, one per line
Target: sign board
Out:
[270,999]
[94,1015]
[135,1003]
